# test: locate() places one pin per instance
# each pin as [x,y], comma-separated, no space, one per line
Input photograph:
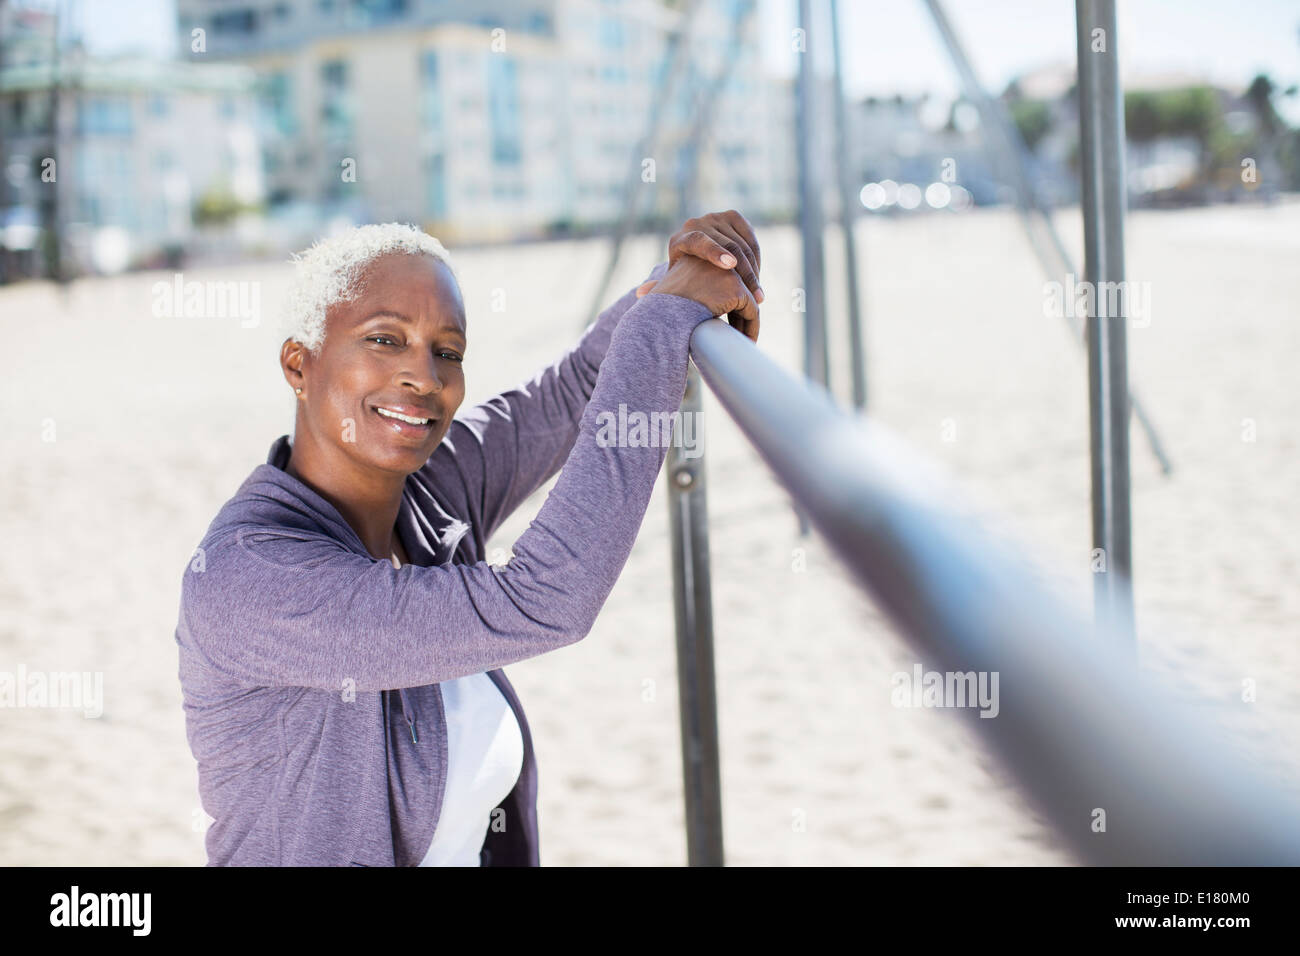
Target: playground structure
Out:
[1124,774]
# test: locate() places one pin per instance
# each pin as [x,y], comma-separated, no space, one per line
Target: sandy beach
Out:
[124,432]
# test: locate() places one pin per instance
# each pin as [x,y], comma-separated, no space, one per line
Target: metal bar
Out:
[693,603]
[1101,148]
[1175,793]
[849,206]
[1010,148]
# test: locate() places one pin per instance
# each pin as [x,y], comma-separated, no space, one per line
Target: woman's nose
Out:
[423,377]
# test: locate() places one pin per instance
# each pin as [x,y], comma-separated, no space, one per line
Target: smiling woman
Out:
[376,367]
[340,636]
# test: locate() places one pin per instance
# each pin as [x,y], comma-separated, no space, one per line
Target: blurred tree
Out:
[1188,111]
[1260,96]
[1281,143]
[1193,111]
[217,206]
[1033,118]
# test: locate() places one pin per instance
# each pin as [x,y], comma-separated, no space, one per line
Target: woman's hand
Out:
[725,240]
[718,288]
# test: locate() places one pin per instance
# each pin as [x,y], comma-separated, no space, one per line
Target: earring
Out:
[297,391]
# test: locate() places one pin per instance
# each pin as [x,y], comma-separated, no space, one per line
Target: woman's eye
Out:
[453,356]
[387,339]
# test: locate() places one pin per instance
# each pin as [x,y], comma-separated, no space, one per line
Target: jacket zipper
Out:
[408,709]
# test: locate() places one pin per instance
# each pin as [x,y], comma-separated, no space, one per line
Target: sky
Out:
[890,46]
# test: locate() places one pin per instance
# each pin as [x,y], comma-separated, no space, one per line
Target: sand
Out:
[156,420]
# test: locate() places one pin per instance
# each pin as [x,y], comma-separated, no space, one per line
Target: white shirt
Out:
[485,753]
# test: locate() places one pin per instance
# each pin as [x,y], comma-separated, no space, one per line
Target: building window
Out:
[430,94]
[436,186]
[103,114]
[235,22]
[503,109]
[611,33]
[275,104]
[336,101]
[31,114]
[377,11]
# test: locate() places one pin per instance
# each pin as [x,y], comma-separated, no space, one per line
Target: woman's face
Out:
[397,346]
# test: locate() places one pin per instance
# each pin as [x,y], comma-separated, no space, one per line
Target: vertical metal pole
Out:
[52,217]
[689,523]
[1101,145]
[848,213]
[693,602]
[5,257]
[816,366]
[816,363]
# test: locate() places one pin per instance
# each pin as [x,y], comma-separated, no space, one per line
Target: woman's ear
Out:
[291,358]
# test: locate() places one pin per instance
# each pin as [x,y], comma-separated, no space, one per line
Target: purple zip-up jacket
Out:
[310,670]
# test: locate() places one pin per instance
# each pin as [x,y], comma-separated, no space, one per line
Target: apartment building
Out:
[114,154]
[519,117]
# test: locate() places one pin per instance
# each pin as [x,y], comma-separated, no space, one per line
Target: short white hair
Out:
[330,272]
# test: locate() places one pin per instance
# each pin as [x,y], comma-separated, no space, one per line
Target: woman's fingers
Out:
[748,269]
[715,242]
[746,233]
[745,311]
[727,241]
[646,287]
[746,327]
[699,243]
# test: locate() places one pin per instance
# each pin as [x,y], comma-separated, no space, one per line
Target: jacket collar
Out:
[410,528]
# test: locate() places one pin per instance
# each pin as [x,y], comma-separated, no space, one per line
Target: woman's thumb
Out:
[646,287]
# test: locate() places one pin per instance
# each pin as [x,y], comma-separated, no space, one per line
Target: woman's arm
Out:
[499,452]
[275,606]
[505,448]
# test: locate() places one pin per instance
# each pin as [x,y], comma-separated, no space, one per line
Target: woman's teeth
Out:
[402,418]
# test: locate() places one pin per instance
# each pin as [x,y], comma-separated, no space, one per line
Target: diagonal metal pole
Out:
[1010,149]
[849,206]
[815,359]
[1126,772]
[675,53]
[1101,146]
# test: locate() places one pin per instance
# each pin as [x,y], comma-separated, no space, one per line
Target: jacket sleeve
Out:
[502,450]
[284,606]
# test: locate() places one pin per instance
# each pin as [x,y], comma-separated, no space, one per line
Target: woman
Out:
[341,638]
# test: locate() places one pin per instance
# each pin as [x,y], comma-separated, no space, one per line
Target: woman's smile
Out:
[406,420]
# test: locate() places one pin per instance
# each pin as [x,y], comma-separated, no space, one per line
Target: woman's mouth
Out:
[412,426]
